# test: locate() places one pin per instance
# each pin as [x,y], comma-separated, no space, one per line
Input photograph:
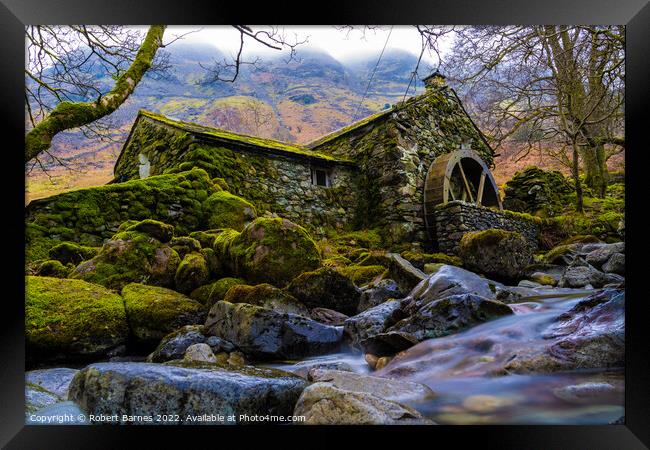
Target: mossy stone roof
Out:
[226,137]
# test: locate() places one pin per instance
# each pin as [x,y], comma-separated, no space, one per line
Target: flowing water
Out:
[465,370]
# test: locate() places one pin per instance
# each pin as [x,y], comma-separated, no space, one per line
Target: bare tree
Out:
[63,91]
[256,116]
[558,85]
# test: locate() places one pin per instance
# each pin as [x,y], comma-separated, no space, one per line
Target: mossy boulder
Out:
[209,294]
[71,319]
[496,253]
[153,312]
[363,275]
[192,272]
[537,191]
[326,288]
[225,210]
[70,252]
[154,228]
[184,245]
[419,260]
[270,250]
[130,256]
[53,268]
[267,296]
[205,237]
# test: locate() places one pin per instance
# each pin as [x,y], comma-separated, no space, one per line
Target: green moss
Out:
[210,294]
[373,258]
[53,268]
[184,245]
[336,261]
[369,239]
[130,256]
[557,252]
[473,241]
[153,312]
[226,137]
[69,252]
[272,250]
[223,241]
[205,238]
[192,272]
[74,316]
[154,228]
[225,210]
[362,275]
[419,260]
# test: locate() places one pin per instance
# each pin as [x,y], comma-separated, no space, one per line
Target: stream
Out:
[465,370]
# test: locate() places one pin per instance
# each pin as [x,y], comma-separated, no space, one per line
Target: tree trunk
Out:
[68,115]
[575,172]
[595,167]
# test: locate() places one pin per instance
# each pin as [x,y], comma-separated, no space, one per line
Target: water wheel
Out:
[460,175]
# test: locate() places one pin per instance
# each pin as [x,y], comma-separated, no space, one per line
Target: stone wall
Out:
[275,180]
[454,219]
[394,151]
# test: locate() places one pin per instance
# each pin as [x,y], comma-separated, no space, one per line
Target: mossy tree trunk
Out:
[68,115]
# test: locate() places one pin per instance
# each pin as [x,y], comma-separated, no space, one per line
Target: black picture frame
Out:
[14,14]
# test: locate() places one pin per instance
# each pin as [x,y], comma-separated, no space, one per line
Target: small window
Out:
[320,177]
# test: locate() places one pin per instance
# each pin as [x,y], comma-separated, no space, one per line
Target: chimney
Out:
[434,81]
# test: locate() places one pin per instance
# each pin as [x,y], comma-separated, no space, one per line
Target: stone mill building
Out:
[419,171]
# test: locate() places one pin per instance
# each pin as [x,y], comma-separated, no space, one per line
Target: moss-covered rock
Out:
[130,256]
[270,251]
[184,245]
[267,296]
[336,261]
[154,228]
[369,239]
[497,253]
[225,210]
[373,258]
[71,319]
[70,252]
[192,272]
[537,191]
[53,268]
[153,312]
[205,237]
[326,288]
[362,275]
[419,260]
[210,294]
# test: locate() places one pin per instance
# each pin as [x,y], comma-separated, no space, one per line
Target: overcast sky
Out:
[338,43]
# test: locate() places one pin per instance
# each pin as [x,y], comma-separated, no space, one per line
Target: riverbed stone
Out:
[199,353]
[326,288]
[325,404]
[186,389]
[496,253]
[266,296]
[55,380]
[377,294]
[372,321]
[328,316]
[173,345]
[600,255]
[262,333]
[615,264]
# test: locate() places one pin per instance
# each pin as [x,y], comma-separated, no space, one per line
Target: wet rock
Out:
[591,335]
[404,273]
[371,360]
[186,389]
[377,294]
[496,253]
[328,316]
[382,362]
[529,284]
[199,353]
[153,312]
[615,264]
[36,398]
[55,380]
[387,344]
[326,288]
[220,345]
[386,388]
[588,392]
[577,276]
[173,345]
[263,333]
[71,319]
[601,254]
[324,404]
[450,315]
[303,368]
[448,281]
[266,296]
[372,321]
